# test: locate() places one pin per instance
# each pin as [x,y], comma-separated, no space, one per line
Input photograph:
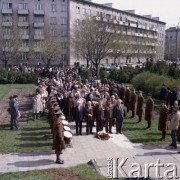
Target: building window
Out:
[24,44]
[39,19]
[7,18]
[63,21]
[38,56]
[88,11]
[22,18]
[53,32]
[84,11]
[63,8]
[64,33]
[53,8]
[23,6]
[77,10]
[38,44]
[63,57]
[24,56]
[38,7]
[64,45]
[39,32]
[24,31]
[53,20]
[77,22]
[7,6]
[7,31]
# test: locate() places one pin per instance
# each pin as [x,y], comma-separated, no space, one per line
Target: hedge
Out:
[11,77]
[151,82]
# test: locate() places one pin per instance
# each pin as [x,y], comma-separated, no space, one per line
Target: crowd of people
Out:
[101,104]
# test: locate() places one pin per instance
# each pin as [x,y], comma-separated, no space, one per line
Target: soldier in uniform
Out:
[58,138]
[149,110]
[108,114]
[122,92]
[127,98]
[133,103]
[140,107]
[163,120]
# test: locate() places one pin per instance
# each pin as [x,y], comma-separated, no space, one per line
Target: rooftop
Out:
[128,12]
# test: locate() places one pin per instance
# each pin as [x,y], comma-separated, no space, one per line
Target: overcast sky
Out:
[167,10]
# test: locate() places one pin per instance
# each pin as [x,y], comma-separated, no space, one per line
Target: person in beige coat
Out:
[174,124]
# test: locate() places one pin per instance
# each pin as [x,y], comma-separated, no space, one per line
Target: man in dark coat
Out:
[163,92]
[133,103]
[78,117]
[99,115]
[163,120]
[118,114]
[140,106]
[14,112]
[149,110]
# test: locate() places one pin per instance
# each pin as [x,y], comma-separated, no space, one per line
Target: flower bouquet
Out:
[102,135]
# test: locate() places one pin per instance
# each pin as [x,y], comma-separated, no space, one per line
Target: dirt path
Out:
[25,104]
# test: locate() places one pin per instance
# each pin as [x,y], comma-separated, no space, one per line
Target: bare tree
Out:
[93,40]
[11,40]
[48,46]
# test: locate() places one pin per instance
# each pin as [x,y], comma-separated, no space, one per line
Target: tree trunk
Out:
[5,63]
[97,70]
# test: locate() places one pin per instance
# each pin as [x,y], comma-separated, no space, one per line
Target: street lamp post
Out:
[177,41]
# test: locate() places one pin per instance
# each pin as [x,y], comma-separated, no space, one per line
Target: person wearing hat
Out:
[163,120]
[149,110]
[58,138]
[133,103]
[140,106]
[174,124]
[122,92]
[127,98]
[14,111]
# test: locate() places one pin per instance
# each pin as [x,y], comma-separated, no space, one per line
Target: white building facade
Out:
[32,17]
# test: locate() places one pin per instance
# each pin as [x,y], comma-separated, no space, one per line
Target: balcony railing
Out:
[7,11]
[39,37]
[7,23]
[39,24]
[23,24]
[23,11]
[38,12]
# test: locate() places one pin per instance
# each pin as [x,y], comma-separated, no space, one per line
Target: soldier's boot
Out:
[58,160]
[149,125]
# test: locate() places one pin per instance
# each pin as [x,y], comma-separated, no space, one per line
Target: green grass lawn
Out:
[138,134]
[33,136]
[81,172]
[6,88]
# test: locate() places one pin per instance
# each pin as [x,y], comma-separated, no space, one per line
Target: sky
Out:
[167,10]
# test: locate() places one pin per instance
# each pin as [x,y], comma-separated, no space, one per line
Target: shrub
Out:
[174,72]
[86,74]
[151,82]
[103,74]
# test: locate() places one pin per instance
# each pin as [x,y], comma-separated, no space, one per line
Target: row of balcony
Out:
[26,37]
[21,49]
[22,12]
[23,24]
[126,24]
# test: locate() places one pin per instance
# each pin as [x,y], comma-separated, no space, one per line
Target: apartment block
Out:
[36,16]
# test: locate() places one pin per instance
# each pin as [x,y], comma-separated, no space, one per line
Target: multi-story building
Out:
[35,16]
[172,37]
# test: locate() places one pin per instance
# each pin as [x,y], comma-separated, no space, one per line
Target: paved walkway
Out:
[84,148]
